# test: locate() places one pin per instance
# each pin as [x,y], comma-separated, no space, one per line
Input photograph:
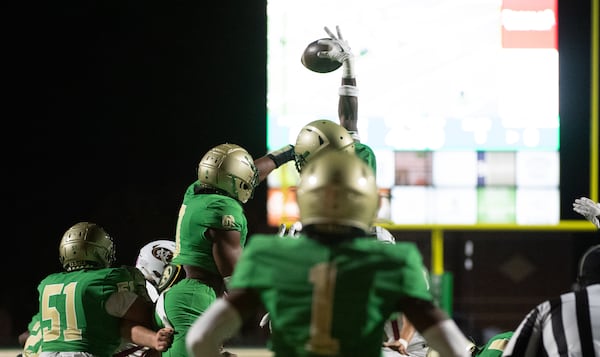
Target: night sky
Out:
[109,105]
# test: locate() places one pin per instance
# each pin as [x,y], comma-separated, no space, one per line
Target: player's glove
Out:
[339,50]
[589,209]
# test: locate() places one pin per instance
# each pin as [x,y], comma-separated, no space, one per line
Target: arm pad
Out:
[446,338]
[119,302]
[207,334]
[282,155]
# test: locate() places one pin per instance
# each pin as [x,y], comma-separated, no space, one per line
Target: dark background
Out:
[109,105]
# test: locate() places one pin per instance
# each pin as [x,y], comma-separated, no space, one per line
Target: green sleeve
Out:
[366,154]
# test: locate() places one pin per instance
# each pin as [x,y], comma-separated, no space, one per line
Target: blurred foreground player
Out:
[313,286]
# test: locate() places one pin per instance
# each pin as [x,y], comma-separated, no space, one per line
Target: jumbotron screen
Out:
[458,99]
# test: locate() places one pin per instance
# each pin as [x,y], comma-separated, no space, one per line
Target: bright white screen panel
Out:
[453,95]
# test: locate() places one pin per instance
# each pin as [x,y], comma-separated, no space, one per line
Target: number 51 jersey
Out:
[73,316]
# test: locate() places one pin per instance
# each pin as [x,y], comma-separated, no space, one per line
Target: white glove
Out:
[339,50]
[589,209]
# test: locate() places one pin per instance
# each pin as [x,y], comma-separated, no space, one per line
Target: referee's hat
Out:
[589,267]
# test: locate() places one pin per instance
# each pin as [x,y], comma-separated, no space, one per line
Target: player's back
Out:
[73,313]
[329,299]
[199,212]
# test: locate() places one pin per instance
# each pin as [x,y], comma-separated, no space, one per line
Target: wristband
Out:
[348,67]
[403,342]
[282,155]
[349,91]
[354,135]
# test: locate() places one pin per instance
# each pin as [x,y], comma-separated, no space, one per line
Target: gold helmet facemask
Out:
[318,135]
[86,245]
[229,168]
[337,190]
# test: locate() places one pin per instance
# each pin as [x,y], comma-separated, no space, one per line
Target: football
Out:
[317,64]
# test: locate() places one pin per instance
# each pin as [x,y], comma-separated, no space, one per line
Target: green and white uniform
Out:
[188,298]
[308,288]
[73,311]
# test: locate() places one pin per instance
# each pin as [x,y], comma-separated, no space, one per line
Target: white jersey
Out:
[152,292]
[417,346]
[568,325]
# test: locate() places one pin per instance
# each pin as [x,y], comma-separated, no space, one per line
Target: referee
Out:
[568,325]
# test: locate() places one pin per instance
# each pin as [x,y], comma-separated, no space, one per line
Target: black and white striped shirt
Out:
[565,326]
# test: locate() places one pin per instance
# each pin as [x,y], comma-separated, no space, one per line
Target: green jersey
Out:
[495,346]
[329,300]
[188,298]
[198,213]
[33,342]
[73,316]
[366,154]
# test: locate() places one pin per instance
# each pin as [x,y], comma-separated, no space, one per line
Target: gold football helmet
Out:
[337,190]
[86,245]
[230,168]
[315,136]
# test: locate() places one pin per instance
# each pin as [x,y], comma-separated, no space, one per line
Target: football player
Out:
[87,309]
[151,262]
[320,134]
[210,235]
[315,285]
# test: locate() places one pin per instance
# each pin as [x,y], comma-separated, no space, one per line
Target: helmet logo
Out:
[228,221]
[162,254]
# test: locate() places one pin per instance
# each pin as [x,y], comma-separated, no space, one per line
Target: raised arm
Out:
[339,50]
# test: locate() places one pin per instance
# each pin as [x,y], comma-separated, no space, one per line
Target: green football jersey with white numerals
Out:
[72,311]
[329,300]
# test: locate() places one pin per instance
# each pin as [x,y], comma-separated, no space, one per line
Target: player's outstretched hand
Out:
[339,49]
[589,209]
[163,339]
